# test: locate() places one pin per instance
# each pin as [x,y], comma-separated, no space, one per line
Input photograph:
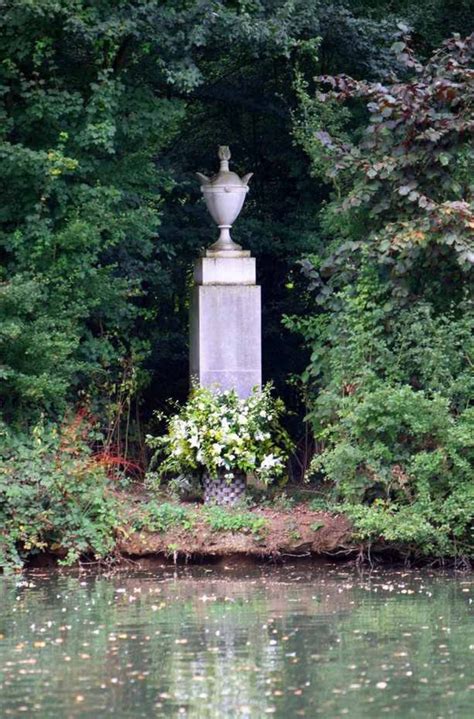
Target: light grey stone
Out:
[225,319]
[225,253]
[224,194]
[219,270]
[226,337]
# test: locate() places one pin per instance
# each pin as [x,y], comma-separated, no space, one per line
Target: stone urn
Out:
[222,491]
[224,194]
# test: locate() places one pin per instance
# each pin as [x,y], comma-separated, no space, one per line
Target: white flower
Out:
[270,461]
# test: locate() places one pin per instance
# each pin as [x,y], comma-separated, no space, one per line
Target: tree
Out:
[96,99]
[404,190]
[390,382]
[82,121]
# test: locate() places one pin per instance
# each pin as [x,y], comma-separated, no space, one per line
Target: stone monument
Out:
[225,321]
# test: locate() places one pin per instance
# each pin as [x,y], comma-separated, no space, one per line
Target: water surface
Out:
[224,642]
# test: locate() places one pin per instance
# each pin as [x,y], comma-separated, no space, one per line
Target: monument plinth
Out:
[225,322]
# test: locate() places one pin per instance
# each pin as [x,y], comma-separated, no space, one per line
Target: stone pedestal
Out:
[225,322]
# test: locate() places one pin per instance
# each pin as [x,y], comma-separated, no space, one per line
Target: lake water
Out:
[230,641]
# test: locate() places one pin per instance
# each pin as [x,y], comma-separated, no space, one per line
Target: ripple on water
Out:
[215,643]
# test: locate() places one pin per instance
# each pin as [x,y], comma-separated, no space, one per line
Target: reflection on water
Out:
[213,643]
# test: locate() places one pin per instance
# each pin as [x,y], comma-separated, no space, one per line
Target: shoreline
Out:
[162,531]
[299,532]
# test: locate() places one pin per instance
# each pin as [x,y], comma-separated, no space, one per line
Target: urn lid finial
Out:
[223,153]
[225,176]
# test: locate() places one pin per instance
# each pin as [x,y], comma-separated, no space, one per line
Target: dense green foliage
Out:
[54,496]
[164,516]
[391,379]
[160,517]
[359,131]
[106,111]
[80,196]
[404,185]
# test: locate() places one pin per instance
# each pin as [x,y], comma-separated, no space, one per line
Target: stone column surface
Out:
[225,322]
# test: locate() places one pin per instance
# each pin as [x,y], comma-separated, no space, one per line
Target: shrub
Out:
[161,517]
[53,496]
[404,466]
[390,392]
[390,403]
[434,526]
[223,520]
[387,437]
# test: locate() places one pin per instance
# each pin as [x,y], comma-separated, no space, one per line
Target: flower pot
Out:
[223,491]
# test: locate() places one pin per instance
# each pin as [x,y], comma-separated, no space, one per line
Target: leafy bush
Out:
[435,526]
[390,382]
[216,432]
[390,404]
[394,440]
[161,517]
[224,520]
[53,496]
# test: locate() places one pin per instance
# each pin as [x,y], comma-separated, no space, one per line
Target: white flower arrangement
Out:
[218,433]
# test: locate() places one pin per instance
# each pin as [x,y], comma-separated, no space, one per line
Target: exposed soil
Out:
[295,532]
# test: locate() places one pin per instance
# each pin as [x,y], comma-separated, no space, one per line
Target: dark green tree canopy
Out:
[106,110]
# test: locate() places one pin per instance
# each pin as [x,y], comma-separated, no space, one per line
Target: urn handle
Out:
[204,179]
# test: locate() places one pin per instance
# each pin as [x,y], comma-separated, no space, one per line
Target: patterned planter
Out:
[222,491]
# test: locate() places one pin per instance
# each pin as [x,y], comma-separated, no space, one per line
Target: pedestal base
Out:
[226,324]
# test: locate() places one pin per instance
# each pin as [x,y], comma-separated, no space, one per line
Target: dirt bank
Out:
[295,532]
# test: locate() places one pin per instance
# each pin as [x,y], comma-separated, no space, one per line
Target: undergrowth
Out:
[54,496]
[223,520]
[155,517]
[162,517]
